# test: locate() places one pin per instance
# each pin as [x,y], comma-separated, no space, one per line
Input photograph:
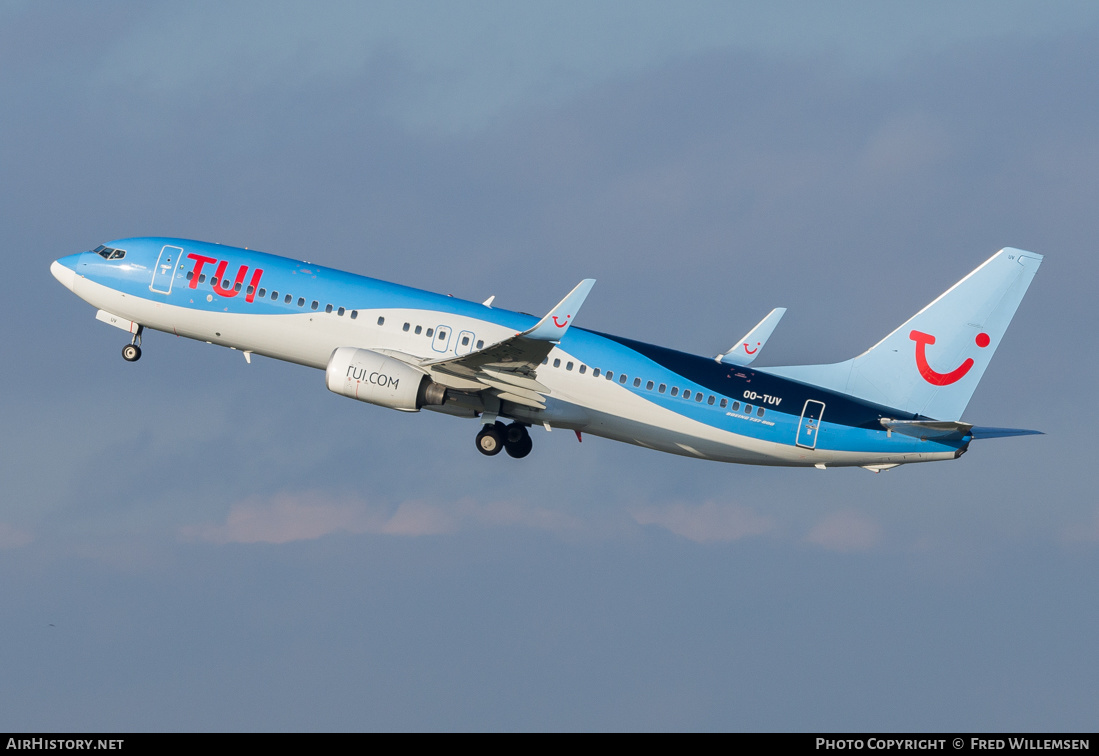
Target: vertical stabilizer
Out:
[931,365]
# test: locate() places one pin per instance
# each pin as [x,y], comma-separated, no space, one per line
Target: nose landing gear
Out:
[132,351]
[513,438]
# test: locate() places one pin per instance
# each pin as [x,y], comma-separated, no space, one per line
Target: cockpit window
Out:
[109,254]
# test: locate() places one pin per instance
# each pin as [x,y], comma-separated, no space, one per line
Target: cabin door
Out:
[165,269]
[809,426]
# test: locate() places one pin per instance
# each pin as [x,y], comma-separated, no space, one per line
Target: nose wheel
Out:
[513,438]
[132,351]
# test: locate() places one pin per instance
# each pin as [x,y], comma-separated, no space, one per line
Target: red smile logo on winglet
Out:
[933,377]
[561,325]
[751,351]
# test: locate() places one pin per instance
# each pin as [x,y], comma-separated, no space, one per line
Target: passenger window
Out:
[583,369]
[355,314]
[686,394]
[405,327]
[545,361]
[465,341]
[289,298]
[301,301]
[595,372]
[557,362]
[190,275]
[736,406]
[711,400]
[262,293]
[213,282]
[418,331]
[202,278]
[568,366]
[236,287]
[430,332]
[662,388]
[251,289]
[675,390]
[724,403]
[698,397]
[610,375]
[341,311]
[747,409]
[480,344]
[649,386]
[274,296]
[760,411]
[622,379]
[442,335]
[328,308]
[315,304]
[636,382]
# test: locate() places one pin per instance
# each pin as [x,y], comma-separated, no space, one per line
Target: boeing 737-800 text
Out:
[899,402]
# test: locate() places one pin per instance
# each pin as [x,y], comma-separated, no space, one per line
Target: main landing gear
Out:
[513,438]
[132,351]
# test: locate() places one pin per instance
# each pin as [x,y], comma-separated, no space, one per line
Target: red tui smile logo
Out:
[936,378]
[751,351]
[561,325]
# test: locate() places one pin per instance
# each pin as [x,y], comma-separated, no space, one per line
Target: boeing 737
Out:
[899,402]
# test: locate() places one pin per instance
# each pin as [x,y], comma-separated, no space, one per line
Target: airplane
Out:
[899,402]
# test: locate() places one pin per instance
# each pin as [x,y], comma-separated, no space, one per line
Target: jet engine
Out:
[372,377]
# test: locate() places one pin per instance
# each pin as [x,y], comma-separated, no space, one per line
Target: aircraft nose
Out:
[64,270]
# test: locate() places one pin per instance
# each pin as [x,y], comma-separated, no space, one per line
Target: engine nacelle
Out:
[372,377]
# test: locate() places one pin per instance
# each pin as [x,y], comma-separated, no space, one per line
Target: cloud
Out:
[13,538]
[706,522]
[845,531]
[287,517]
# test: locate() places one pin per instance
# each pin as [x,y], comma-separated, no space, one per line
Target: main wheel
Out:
[490,440]
[520,448]
[514,433]
[131,353]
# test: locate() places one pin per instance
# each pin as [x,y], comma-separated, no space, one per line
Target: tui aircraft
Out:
[901,401]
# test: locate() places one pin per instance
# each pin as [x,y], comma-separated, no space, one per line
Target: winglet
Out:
[553,326]
[748,348]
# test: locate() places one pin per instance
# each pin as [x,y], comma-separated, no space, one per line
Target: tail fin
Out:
[931,364]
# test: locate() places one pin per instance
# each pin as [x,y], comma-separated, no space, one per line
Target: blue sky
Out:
[194,543]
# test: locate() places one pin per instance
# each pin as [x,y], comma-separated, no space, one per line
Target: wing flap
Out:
[526,401]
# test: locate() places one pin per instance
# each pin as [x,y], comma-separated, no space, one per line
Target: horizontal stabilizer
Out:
[928,429]
[749,347]
[979,432]
[951,430]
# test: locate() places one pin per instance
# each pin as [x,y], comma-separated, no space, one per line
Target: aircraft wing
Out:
[509,367]
[749,347]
